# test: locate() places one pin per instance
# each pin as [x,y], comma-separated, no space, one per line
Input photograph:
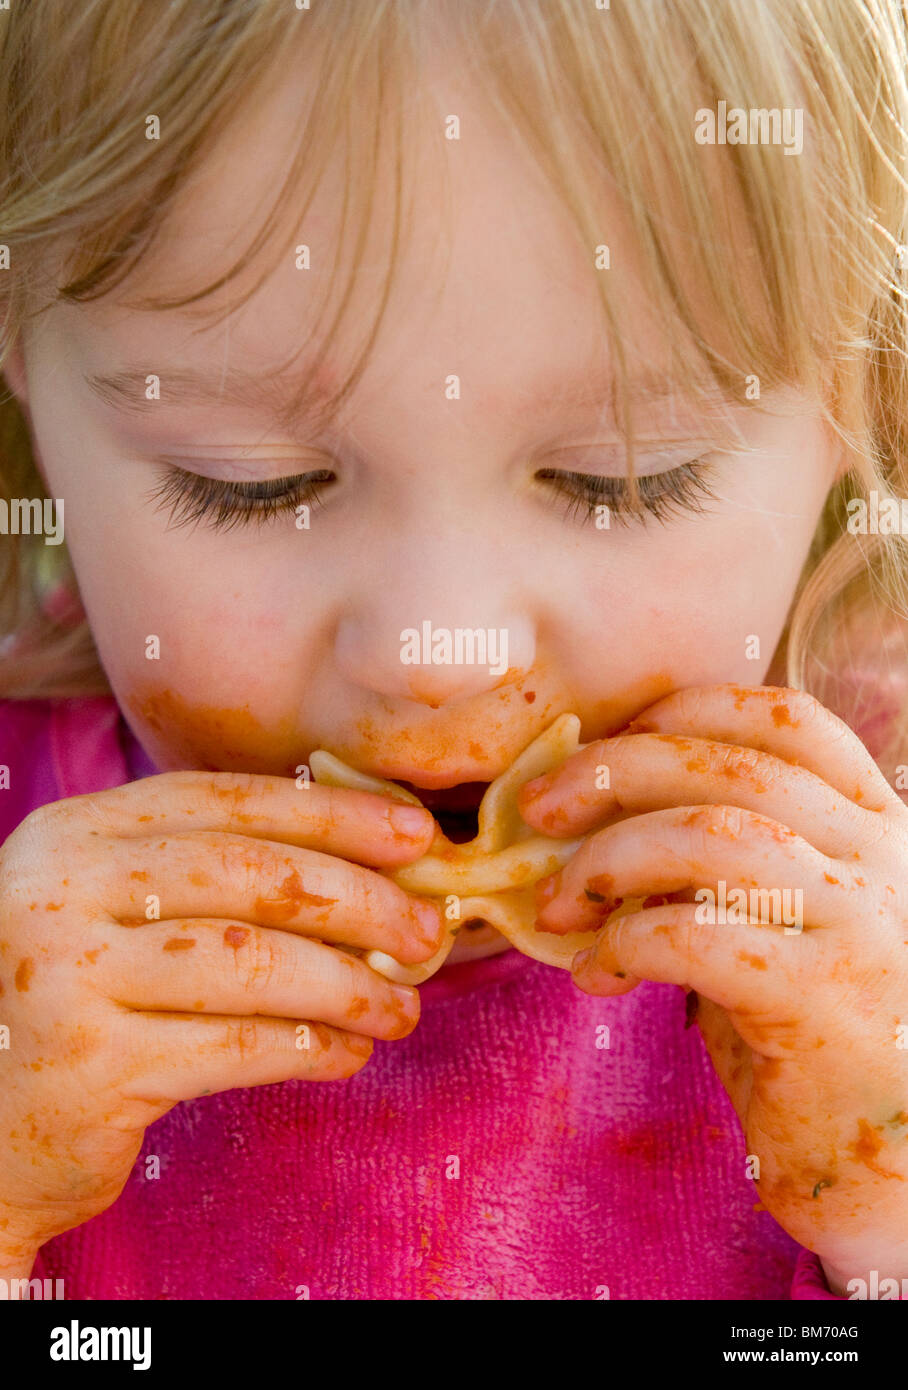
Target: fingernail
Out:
[408,996]
[581,959]
[429,918]
[409,821]
[547,889]
[531,790]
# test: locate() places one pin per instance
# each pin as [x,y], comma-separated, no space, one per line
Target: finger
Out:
[730,1055]
[350,824]
[743,966]
[648,772]
[175,1057]
[789,723]
[204,874]
[667,851]
[204,966]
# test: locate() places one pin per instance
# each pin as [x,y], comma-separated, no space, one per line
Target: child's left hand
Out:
[765,789]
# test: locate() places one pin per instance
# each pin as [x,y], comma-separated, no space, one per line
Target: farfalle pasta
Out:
[492,876]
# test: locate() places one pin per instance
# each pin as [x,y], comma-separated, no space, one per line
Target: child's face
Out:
[275,640]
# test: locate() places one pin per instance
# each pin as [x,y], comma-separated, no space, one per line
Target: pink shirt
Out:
[582,1172]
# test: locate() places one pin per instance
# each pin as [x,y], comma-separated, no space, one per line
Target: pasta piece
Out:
[492,876]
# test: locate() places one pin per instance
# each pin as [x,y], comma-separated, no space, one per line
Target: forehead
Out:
[491,284]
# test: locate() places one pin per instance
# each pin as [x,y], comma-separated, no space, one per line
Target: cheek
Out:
[216,685]
[182,732]
[724,625]
[631,689]
[179,617]
[713,612]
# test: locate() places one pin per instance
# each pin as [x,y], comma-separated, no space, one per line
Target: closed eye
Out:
[677,491]
[193,497]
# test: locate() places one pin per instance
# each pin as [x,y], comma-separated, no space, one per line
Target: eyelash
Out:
[192,497]
[677,491]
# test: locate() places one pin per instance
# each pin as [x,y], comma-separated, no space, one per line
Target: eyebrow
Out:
[294,401]
[647,387]
[287,402]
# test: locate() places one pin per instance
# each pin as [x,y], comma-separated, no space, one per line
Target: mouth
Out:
[456,809]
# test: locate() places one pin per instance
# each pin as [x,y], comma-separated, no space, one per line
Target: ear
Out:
[13,370]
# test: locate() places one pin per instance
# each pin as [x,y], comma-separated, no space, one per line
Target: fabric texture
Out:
[526,1141]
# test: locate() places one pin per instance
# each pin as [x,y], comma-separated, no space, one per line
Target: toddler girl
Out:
[580,326]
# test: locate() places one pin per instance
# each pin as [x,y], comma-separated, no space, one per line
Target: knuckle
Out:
[257,961]
[877,832]
[24,858]
[694,837]
[805,711]
[690,702]
[38,826]
[249,867]
[691,936]
[224,786]
[727,822]
[739,762]
[360,895]
[799,703]
[242,1038]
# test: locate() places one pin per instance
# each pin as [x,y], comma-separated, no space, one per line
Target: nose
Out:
[435,626]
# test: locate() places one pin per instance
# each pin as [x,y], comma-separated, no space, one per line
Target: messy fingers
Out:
[205,874]
[350,824]
[176,1057]
[212,967]
[669,851]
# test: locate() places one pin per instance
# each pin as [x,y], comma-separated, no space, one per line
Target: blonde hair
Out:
[797,259]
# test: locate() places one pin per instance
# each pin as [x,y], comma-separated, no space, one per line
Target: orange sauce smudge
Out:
[867,1146]
[213,739]
[292,897]
[758,962]
[24,973]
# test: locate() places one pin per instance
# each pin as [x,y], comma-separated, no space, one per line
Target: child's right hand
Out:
[114,1018]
